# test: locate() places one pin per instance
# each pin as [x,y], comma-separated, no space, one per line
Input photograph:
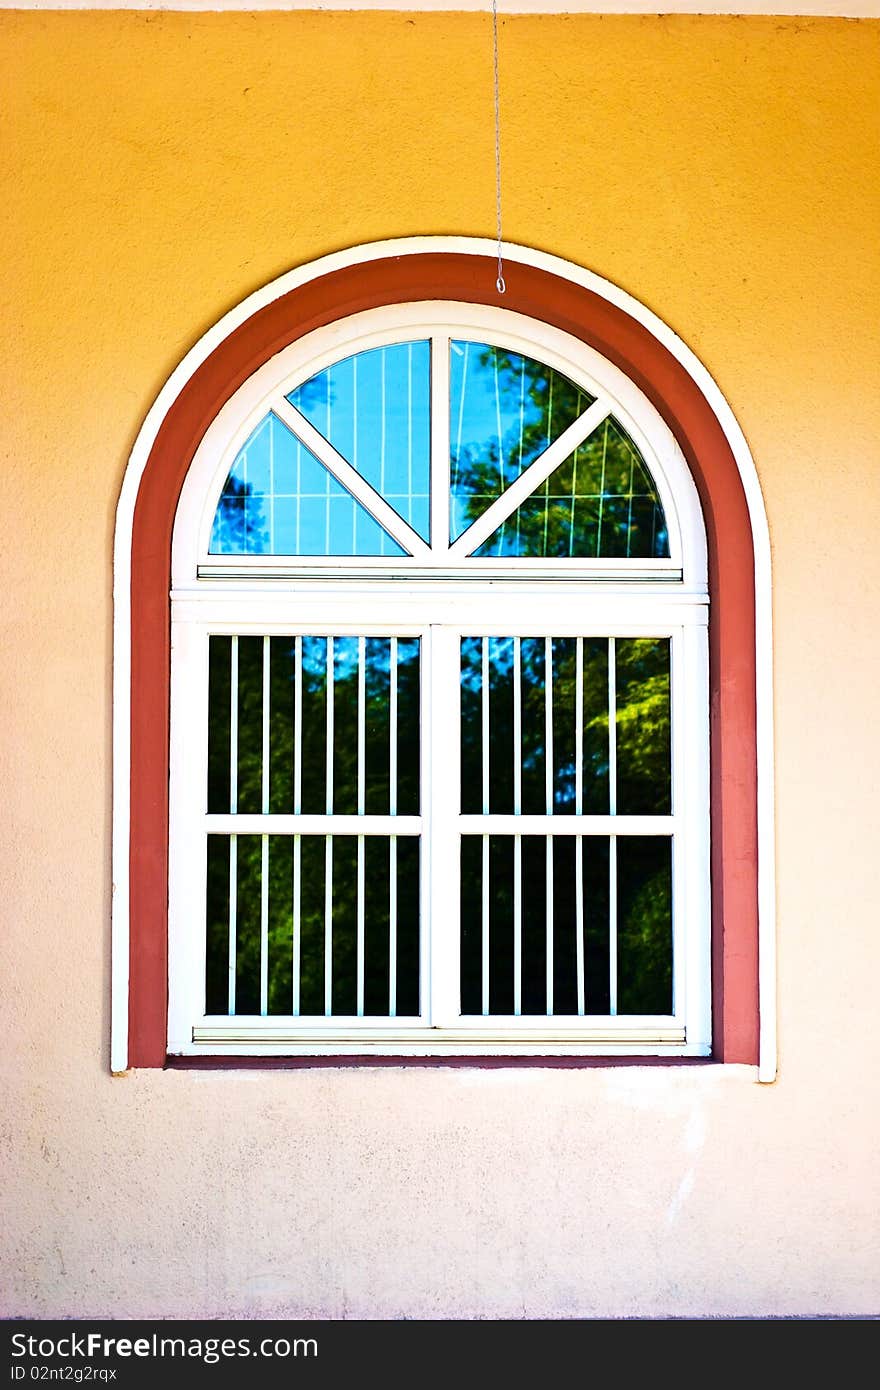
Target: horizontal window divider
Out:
[257,824]
[549,571]
[563,824]
[355,1033]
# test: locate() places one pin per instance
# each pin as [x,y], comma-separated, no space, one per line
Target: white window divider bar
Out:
[612,842]
[264,924]
[548,795]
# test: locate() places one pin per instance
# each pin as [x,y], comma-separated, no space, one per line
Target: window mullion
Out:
[440,793]
[440,443]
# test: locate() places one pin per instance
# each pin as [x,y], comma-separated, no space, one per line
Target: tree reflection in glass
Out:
[601,503]
[504,411]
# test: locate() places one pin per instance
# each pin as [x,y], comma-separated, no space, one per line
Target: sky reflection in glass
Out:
[375,409]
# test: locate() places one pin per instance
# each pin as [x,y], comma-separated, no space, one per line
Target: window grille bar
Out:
[548,724]
[233,808]
[392,729]
[517,924]
[297,920]
[409,427]
[233,727]
[360,926]
[328,925]
[612,925]
[392,847]
[612,726]
[354,446]
[266,712]
[612,843]
[484,918]
[484,751]
[484,716]
[579,726]
[361,806]
[271,485]
[392,926]
[517,726]
[517,810]
[327,480]
[549,909]
[460,423]
[602,490]
[579,922]
[264,925]
[362,726]
[233,925]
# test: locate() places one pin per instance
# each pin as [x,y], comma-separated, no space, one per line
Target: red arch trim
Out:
[632,347]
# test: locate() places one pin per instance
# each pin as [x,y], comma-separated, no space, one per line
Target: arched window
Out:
[439,744]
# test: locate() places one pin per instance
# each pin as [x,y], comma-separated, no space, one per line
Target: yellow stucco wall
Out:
[159,167]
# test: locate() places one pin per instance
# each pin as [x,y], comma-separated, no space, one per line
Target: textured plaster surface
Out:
[159,167]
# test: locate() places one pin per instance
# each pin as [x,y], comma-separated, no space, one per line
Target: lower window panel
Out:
[312,926]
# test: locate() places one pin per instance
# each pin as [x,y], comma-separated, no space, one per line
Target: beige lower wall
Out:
[158,168]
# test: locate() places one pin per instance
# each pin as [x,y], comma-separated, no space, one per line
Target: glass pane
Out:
[280,500]
[601,503]
[535,902]
[644,925]
[511,774]
[375,409]
[391,923]
[297,777]
[644,738]
[504,410]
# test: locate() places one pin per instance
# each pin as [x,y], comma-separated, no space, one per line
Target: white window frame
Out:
[440,594]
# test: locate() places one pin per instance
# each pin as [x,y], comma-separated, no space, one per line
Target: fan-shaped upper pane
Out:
[375,409]
[600,503]
[504,410]
[280,500]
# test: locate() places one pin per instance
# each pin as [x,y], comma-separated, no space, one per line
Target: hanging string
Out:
[499,283]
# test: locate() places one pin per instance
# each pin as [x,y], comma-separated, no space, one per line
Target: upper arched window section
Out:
[448,439]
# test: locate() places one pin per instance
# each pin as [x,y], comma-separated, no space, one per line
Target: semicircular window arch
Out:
[446,447]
